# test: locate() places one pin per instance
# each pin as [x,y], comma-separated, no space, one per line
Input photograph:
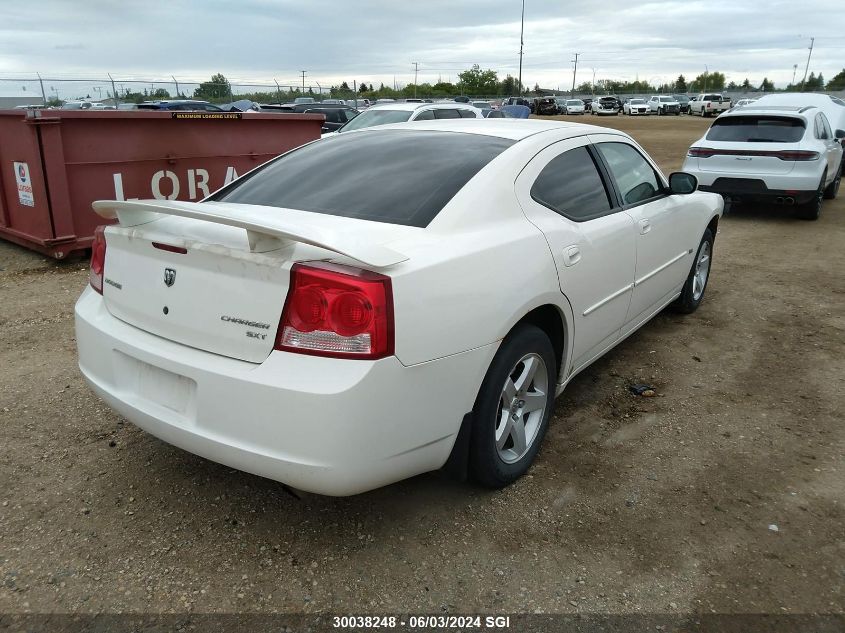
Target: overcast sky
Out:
[377,40]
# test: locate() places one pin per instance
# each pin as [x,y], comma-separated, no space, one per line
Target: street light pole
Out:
[812,41]
[521,32]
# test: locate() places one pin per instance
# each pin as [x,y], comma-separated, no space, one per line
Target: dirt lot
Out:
[663,504]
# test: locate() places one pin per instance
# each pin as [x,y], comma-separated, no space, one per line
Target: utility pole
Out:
[521,32]
[416,70]
[303,81]
[278,91]
[43,94]
[706,76]
[114,91]
[572,94]
[178,94]
[812,41]
[794,70]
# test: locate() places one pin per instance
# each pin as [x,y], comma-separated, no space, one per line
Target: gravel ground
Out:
[722,494]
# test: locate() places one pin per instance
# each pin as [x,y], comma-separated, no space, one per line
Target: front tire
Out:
[513,408]
[693,291]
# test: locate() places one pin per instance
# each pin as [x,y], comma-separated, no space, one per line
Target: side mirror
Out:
[682,183]
[839,134]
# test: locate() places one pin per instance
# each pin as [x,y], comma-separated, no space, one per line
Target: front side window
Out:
[634,176]
[570,185]
[467,114]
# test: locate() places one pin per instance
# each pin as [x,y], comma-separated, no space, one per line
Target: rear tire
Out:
[513,407]
[812,210]
[833,187]
[693,292]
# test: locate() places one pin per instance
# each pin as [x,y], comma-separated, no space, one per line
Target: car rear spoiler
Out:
[264,232]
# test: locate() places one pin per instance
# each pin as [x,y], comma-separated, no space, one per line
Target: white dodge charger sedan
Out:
[382,303]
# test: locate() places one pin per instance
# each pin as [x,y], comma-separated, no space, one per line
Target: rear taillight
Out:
[98,259]
[700,152]
[337,311]
[798,155]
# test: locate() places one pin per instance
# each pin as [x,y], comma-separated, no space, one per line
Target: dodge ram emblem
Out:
[169,276]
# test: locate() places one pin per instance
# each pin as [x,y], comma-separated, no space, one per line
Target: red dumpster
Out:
[54,164]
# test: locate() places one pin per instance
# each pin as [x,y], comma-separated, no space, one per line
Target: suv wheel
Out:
[812,210]
[833,187]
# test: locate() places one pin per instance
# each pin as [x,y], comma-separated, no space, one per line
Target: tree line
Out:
[477,82]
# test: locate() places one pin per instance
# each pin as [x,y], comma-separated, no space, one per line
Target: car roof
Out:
[404,105]
[513,129]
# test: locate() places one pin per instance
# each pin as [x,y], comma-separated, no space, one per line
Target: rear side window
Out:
[757,129]
[425,115]
[393,176]
[467,114]
[570,185]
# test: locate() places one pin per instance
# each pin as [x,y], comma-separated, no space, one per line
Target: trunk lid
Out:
[203,281]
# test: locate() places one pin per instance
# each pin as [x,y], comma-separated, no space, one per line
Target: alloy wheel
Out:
[522,405]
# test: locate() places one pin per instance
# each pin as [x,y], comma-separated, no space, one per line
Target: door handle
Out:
[645,227]
[571,255]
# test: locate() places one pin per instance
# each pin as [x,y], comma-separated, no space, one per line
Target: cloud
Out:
[377,40]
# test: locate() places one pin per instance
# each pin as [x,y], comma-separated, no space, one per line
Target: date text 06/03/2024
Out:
[421,622]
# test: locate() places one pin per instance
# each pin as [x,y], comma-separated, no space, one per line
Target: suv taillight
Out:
[98,259]
[700,152]
[337,311]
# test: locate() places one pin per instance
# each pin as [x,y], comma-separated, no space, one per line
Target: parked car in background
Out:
[484,106]
[400,112]
[743,102]
[635,107]
[516,101]
[573,106]
[661,104]
[544,106]
[336,115]
[683,101]
[180,104]
[605,106]
[709,104]
[76,105]
[304,100]
[341,348]
[786,155]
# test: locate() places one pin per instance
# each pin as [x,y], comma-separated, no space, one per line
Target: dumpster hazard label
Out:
[24,184]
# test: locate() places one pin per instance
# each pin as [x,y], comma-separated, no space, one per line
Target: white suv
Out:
[782,154]
[661,105]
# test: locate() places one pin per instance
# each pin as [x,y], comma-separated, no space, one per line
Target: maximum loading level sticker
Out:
[24,183]
[207,115]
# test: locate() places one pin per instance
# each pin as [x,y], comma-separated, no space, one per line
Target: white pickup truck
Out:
[709,104]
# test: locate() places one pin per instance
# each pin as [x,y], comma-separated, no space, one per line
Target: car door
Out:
[566,195]
[664,227]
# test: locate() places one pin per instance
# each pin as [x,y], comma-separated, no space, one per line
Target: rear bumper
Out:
[752,189]
[800,186]
[328,426]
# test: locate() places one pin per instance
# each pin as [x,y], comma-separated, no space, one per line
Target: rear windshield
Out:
[757,129]
[393,176]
